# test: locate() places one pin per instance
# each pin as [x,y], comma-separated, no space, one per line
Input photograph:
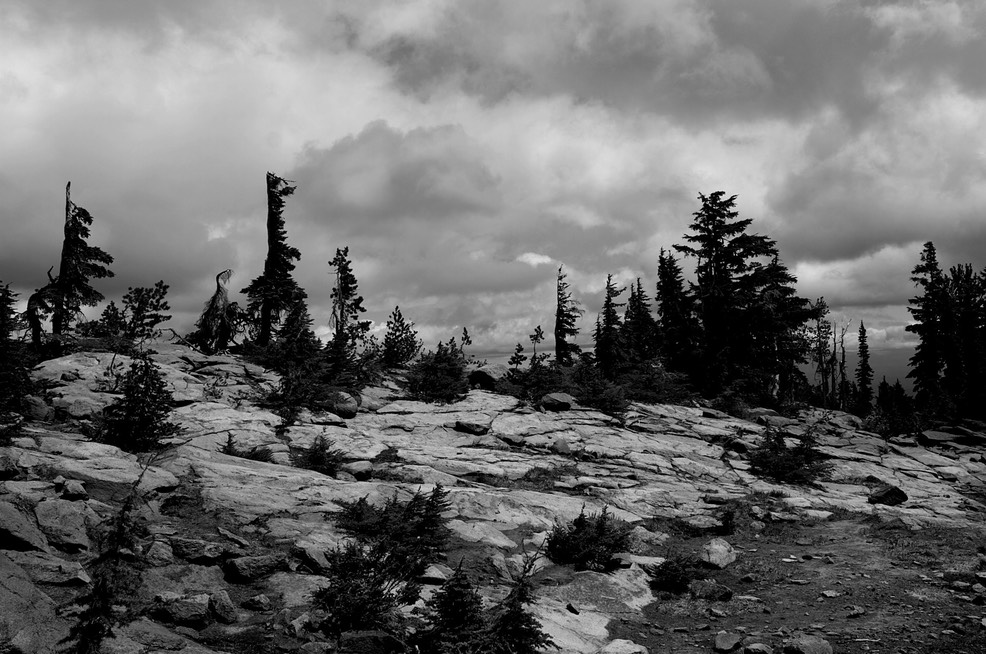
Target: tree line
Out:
[739,333]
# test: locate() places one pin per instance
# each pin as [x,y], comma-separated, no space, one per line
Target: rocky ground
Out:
[234,546]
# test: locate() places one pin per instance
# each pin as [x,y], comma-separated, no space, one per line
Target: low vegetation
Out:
[802,464]
[138,422]
[319,457]
[260,453]
[589,542]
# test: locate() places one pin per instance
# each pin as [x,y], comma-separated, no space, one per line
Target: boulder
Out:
[726,642]
[718,553]
[621,646]
[343,404]
[486,377]
[74,490]
[557,402]
[371,642]
[184,610]
[804,644]
[758,648]
[17,532]
[64,523]
[251,568]
[8,470]
[45,568]
[472,427]
[222,607]
[197,551]
[710,590]
[160,554]
[887,494]
[27,616]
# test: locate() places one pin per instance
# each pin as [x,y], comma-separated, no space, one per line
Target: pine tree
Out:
[220,321]
[639,331]
[675,310]
[929,312]
[567,314]
[138,421]
[864,376]
[518,358]
[965,346]
[727,284]
[513,629]
[80,262]
[275,291]
[610,355]
[14,379]
[456,616]
[400,342]
[348,330]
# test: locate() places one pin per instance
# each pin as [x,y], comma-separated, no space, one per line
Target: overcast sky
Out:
[462,149]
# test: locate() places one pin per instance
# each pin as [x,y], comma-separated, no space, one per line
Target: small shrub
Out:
[591,389]
[320,457]
[261,453]
[389,454]
[589,542]
[674,574]
[513,629]
[773,459]
[455,615]
[439,375]
[138,422]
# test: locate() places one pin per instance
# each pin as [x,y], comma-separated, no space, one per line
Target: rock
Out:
[343,405]
[258,603]
[74,490]
[160,554]
[472,427]
[486,377]
[726,642]
[887,494]
[27,616]
[251,568]
[222,607]
[17,532]
[561,446]
[45,568]
[8,469]
[709,589]
[804,644]
[557,402]
[718,553]
[197,551]
[758,648]
[933,438]
[621,646]
[186,610]
[37,409]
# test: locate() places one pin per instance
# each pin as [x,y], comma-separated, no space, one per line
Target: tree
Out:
[143,310]
[567,314]
[517,359]
[726,257]
[639,331]
[275,291]
[675,310]
[864,376]
[220,321]
[14,380]
[609,351]
[964,353]
[79,263]
[929,312]
[138,422]
[348,330]
[400,342]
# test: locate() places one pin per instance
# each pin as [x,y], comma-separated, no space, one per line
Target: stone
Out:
[222,607]
[758,648]
[8,469]
[186,610]
[252,568]
[804,644]
[258,603]
[561,446]
[197,551]
[472,427]
[486,377]
[726,642]
[370,642]
[64,523]
[160,554]
[557,402]
[622,646]
[887,494]
[718,553]
[343,405]
[46,568]
[17,532]
[27,616]
[709,589]
[74,490]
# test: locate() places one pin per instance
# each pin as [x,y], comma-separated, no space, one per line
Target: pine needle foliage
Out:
[221,321]
[400,342]
[589,542]
[138,422]
[319,457]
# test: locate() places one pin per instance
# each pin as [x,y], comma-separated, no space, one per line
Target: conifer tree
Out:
[275,291]
[14,380]
[347,304]
[400,342]
[929,312]
[567,314]
[639,331]
[610,355]
[79,263]
[864,375]
[220,321]
[965,347]
[675,309]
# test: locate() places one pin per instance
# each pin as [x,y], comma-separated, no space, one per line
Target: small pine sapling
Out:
[138,422]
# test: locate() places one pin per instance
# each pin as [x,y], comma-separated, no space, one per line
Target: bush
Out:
[138,422]
[261,453]
[591,389]
[674,574]
[320,457]
[439,375]
[589,542]
[456,619]
[773,459]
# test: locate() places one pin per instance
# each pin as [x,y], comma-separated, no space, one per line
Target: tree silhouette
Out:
[275,291]
[567,314]
[864,376]
[220,321]
[929,312]
[400,342]
[80,262]
[609,351]
[675,309]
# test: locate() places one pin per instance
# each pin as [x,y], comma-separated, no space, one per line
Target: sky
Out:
[464,149]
